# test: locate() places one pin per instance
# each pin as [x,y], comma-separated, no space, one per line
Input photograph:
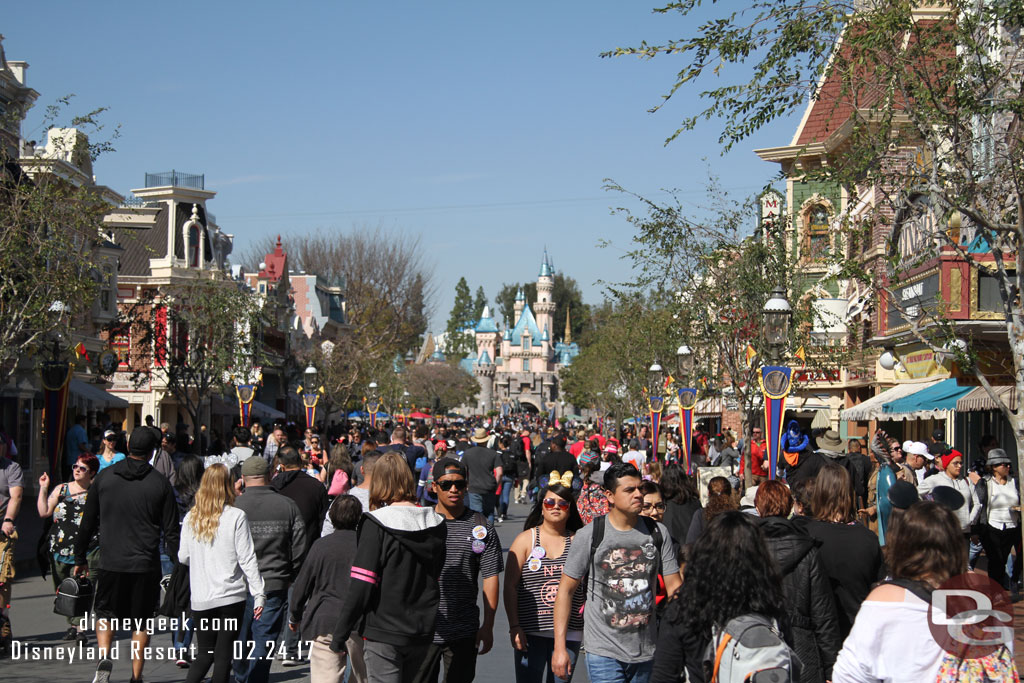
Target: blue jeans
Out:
[507,484]
[483,503]
[608,670]
[531,665]
[182,638]
[254,667]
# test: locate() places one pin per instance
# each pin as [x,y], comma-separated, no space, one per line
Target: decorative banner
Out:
[776,381]
[687,398]
[309,401]
[656,404]
[245,393]
[600,424]
[56,379]
[372,407]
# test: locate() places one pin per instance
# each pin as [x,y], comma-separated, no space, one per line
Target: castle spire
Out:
[568,330]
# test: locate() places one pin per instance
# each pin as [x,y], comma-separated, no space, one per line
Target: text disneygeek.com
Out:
[31,652]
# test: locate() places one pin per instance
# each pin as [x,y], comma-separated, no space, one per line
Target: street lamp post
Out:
[373,404]
[655,402]
[776,379]
[310,395]
[56,377]
[687,398]
[406,399]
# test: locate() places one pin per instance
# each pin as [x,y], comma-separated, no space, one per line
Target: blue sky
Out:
[484,129]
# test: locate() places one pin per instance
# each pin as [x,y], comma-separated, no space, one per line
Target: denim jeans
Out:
[254,667]
[507,484]
[608,670]
[182,638]
[531,665]
[483,503]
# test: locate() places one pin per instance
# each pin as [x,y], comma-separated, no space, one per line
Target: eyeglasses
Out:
[656,506]
[459,484]
[551,503]
[80,468]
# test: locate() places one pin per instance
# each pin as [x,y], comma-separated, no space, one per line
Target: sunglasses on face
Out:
[459,484]
[552,503]
[655,506]
[80,468]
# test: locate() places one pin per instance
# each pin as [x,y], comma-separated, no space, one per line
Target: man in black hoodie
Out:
[131,504]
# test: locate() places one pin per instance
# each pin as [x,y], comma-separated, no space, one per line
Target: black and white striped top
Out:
[538,588]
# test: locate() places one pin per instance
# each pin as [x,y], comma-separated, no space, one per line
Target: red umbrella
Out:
[419,416]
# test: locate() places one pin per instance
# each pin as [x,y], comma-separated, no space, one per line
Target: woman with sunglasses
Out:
[67,505]
[532,574]
[109,454]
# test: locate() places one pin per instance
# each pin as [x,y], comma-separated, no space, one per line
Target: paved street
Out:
[35,624]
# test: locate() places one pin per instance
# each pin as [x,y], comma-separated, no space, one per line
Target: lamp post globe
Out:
[655,378]
[684,363]
[309,374]
[777,314]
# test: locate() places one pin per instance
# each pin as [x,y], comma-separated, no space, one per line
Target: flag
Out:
[668,380]
[751,354]
[80,351]
[802,355]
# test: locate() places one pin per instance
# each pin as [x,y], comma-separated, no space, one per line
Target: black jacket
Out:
[319,591]
[131,503]
[678,518]
[809,603]
[278,534]
[310,495]
[678,649]
[393,595]
[807,466]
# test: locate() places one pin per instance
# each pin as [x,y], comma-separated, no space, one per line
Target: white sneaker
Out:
[103,671]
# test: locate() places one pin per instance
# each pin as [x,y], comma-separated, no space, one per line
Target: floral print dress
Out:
[67,518]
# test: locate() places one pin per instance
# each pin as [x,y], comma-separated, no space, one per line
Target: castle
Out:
[518,368]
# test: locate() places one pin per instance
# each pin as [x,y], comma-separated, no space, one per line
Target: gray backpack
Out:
[750,649]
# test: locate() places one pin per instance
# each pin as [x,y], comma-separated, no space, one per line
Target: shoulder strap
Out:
[652,528]
[718,656]
[916,587]
[595,539]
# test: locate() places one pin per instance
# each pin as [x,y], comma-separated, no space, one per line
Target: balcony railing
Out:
[176,179]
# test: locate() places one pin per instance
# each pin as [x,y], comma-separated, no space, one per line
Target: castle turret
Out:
[520,302]
[544,308]
[487,335]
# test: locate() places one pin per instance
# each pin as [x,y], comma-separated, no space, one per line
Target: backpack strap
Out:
[718,656]
[596,538]
[652,528]
[916,587]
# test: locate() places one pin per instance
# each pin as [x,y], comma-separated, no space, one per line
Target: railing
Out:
[133,202]
[175,179]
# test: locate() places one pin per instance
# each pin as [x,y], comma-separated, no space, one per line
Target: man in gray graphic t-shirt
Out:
[619,627]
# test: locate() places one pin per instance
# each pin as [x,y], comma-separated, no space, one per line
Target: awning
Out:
[871,409]
[262,410]
[95,395]
[931,402]
[978,399]
[709,407]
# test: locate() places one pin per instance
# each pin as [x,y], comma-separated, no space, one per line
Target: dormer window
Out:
[817,239]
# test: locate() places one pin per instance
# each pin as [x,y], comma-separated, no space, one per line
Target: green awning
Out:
[930,402]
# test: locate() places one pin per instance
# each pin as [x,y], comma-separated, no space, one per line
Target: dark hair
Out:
[648,487]
[588,468]
[832,498]
[288,456]
[345,512]
[422,431]
[618,471]
[676,485]
[574,523]
[719,498]
[242,435]
[190,473]
[90,461]
[557,441]
[730,573]
[926,544]
[773,499]
[802,491]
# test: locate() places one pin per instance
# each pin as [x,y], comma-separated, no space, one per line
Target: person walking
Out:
[809,604]
[999,521]
[279,539]
[190,476]
[131,506]
[681,502]
[67,506]
[485,470]
[393,595]
[535,561]
[217,546]
[472,552]
[110,455]
[623,555]
[319,593]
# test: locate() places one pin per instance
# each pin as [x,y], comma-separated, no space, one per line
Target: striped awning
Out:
[978,399]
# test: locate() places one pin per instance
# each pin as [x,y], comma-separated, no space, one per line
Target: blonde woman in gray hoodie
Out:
[217,546]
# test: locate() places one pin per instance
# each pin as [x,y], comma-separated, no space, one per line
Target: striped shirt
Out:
[457,613]
[537,589]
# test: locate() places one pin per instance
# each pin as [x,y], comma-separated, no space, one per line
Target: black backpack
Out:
[74,597]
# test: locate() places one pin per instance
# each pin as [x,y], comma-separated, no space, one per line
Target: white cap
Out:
[918,448]
[906,445]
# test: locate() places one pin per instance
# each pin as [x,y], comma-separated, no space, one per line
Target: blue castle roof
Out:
[526,323]
[545,266]
[486,323]
[484,359]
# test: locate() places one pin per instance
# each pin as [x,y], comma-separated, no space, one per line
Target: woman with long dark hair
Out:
[730,573]
[719,500]
[849,551]
[681,502]
[535,562]
[809,602]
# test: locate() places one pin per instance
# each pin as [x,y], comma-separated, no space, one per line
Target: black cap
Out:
[143,442]
[947,497]
[449,465]
[903,494]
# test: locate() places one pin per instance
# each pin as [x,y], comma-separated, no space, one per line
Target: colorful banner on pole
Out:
[687,399]
[656,404]
[776,381]
[372,407]
[56,380]
[309,401]
[245,393]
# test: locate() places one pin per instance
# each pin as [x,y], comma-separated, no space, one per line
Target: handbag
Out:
[74,597]
[177,596]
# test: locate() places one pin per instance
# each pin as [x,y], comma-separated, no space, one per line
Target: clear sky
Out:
[485,129]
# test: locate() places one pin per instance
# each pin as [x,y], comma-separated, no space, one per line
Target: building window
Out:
[817,240]
[526,365]
[121,344]
[193,246]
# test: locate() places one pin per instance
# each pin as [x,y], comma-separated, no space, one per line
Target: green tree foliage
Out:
[479,301]
[457,342]
[447,384]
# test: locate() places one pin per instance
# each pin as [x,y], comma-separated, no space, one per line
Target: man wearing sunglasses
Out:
[623,564]
[472,549]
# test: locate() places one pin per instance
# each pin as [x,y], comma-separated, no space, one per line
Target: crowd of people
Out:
[370,551]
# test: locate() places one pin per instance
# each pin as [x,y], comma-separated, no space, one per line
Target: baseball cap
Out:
[906,446]
[255,466]
[919,448]
[109,434]
[448,466]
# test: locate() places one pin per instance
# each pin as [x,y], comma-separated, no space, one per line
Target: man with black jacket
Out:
[279,539]
[131,504]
